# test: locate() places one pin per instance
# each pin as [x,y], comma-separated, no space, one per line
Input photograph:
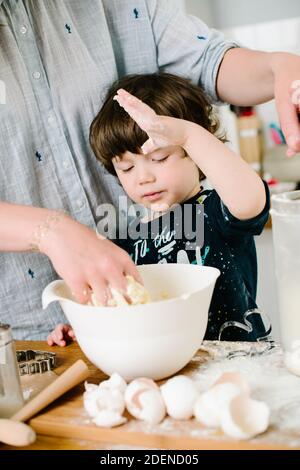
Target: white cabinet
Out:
[225,14]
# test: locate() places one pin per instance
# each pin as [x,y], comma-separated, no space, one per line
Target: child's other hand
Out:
[163,131]
[61,335]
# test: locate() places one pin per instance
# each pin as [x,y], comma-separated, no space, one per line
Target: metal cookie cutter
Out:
[35,362]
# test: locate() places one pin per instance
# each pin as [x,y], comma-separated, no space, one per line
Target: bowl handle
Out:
[50,293]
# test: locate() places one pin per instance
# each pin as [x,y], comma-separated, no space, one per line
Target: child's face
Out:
[159,179]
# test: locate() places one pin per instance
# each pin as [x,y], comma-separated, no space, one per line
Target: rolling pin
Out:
[16,433]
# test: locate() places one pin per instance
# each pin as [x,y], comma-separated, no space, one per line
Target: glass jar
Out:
[11,397]
[286,237]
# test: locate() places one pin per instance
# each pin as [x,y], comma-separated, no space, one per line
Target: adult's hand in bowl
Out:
[86,262]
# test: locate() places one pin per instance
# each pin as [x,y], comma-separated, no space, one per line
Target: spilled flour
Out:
[269,379]
[261,364]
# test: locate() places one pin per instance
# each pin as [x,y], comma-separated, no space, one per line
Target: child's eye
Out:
[126,170]
[161,159]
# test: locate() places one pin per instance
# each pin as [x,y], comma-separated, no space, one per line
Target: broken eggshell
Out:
[109,419]
[209,406]
[244,417]
[234,378]
[227,404]
[144,400]
[105,402]
[115,382]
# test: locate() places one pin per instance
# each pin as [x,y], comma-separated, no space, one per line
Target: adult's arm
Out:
[186,46]
[82,259]
[249,77]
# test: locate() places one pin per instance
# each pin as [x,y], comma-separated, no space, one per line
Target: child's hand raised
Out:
[162,130]
[61,335]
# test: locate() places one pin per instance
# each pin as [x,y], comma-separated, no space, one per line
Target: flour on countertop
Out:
[269,379]
[261,364]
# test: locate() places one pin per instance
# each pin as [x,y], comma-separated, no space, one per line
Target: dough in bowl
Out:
[135,293]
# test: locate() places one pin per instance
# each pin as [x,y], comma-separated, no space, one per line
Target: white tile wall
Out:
[282,35]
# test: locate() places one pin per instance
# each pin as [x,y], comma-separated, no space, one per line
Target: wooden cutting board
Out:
[67,418]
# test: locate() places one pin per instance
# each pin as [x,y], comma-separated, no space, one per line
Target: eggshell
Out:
[244,417]
[109,419]
[210,404]
[144,400]
[235,378]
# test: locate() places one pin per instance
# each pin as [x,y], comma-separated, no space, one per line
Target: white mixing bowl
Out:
[153,340]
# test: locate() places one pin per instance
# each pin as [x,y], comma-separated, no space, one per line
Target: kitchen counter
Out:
[65,424]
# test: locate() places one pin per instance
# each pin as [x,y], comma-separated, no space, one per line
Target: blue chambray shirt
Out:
[57,60]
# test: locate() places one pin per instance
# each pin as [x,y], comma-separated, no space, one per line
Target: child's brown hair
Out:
[113,131]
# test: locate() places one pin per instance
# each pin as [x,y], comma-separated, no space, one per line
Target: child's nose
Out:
[145,175]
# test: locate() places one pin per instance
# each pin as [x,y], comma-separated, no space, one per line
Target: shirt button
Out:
[23,29]
[36,75]
[51,120]
[66,165]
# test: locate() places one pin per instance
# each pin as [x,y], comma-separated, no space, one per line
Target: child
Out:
[160,146]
